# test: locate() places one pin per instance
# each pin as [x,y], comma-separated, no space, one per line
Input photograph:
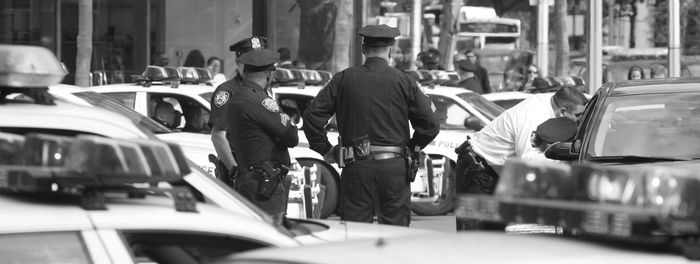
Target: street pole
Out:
[543,37]
[595,45]
[416,31]
[674,38]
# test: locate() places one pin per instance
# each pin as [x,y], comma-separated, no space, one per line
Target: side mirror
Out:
[473,123]
[560,151]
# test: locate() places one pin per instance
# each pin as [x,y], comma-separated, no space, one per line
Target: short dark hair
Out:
[635,68]
[212,59]
[285,54]
[569,98]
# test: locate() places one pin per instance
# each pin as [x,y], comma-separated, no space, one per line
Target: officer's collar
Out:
[251,84]
[376,60]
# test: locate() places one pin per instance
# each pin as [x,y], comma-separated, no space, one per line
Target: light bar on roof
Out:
[189,74]
[644,202]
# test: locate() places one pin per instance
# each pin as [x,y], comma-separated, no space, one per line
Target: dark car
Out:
[639,122]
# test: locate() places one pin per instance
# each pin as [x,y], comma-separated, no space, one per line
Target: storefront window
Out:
[28,22]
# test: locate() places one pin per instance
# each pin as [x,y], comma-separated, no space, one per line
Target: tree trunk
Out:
[84,43]
[561,64]
[450,11]
[344,36]
[317,33]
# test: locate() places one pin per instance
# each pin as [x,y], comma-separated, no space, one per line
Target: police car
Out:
[90,199]
[460,112]
[194,95]
[609,216]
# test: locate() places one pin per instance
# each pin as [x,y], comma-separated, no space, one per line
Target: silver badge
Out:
[255,43]
[270,105]
[221,98]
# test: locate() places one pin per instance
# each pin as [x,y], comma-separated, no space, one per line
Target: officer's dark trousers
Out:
[247,183]
[369,185]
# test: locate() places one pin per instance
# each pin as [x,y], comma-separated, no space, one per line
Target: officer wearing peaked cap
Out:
[261,135]
[373,104]
[218,120]
[467,75]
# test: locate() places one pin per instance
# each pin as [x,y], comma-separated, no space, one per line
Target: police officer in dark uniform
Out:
[373,104]
[261,135]
[218,121]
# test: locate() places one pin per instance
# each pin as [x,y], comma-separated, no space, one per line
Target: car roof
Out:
[446,90]
[478,247]
[181,89]
[507,95]
[652,86]
[308,90]
[67,116]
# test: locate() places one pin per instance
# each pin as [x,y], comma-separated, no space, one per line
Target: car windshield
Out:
[485,107]
[108,103]
[207,96]
[651,125]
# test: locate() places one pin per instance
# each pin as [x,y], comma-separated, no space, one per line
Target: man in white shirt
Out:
[509,134]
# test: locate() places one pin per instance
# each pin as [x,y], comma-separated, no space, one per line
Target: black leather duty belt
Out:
[385,152]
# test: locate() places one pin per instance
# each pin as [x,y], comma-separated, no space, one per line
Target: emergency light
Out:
[284,76]
[86,165]
[647,203]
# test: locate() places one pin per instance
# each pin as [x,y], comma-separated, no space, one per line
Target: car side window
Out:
[193,116]
[126,98]
[173,247]
[583,123]
[294,106]
[50,247]
[450,114]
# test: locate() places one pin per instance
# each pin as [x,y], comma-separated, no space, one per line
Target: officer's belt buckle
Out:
[383,156]
[392,149]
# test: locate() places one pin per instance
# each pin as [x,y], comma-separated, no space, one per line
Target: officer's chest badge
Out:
[221,98]
[271,105]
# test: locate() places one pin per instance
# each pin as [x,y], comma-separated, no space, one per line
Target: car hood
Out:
[196,147]
[343,231]
[476,247]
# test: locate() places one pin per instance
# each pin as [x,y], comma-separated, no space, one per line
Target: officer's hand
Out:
[331,156]
[286,120]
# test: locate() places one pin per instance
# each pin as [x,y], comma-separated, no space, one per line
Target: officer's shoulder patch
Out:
[221,98]
[270,105]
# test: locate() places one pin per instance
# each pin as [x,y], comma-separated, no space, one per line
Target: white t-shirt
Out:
[218,79]
[508,135]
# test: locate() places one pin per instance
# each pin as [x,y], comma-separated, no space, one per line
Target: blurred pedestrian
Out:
[430,60]
[467,76]
[160,59]
[373,104]
[194,58]
[399,60]
[658,71]
[480,72]
[635,73]
[285,59]
[214,65]
[531,73]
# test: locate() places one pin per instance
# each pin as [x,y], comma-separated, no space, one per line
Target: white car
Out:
[193,97]
[460,112]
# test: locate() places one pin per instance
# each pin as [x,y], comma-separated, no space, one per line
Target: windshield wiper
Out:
[633,158]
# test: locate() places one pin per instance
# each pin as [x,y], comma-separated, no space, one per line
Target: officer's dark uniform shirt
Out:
[261,133]
[375,100]
[222,95]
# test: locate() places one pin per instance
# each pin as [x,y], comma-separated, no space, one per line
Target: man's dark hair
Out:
[285,54]
[569,98]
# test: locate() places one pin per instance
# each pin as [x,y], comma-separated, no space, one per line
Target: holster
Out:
[272,175]
[358,150]
[412,162]
[473,174]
